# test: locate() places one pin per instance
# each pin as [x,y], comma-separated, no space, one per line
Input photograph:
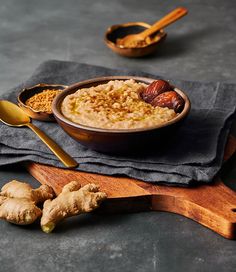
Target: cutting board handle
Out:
[213,206]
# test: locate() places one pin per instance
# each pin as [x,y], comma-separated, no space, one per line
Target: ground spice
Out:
[42,101]
[142,43]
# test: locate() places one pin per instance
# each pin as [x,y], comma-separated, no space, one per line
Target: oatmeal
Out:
[114,105]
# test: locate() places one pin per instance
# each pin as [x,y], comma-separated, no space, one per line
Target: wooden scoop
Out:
[139,40]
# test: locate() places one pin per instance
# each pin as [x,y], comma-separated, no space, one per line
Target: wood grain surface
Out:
[212,205]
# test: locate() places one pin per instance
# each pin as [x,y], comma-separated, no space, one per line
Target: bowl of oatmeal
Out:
[114,114]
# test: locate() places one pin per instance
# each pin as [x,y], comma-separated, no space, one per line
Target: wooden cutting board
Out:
[213,206]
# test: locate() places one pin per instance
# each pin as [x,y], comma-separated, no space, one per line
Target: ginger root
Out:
[73,200]
[18,202]
[20,211]
[17,189]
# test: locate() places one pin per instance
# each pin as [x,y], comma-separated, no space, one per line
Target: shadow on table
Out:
[89,221]
[178,44]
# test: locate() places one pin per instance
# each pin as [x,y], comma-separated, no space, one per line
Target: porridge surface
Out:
[114,105]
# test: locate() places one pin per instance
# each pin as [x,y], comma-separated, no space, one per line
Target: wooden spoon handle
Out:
[165,21]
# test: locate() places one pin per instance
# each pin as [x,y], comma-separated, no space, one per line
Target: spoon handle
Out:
[65,158]
[165,21]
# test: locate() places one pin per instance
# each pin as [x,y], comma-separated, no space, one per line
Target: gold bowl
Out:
[29,92]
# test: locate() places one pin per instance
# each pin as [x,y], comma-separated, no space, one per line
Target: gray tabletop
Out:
[199,47]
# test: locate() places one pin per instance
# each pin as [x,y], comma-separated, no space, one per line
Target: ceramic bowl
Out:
[29,92]
[119,31]
[117,141]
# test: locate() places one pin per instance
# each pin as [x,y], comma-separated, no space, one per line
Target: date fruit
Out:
[170,99]
[154,89]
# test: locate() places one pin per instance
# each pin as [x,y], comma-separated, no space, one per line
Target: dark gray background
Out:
[199,47]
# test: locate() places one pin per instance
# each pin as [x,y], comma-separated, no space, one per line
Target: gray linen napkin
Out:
[195,153]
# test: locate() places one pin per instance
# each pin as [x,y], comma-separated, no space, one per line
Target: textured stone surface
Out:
[199,47]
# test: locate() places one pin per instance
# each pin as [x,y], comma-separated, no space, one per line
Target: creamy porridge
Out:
[114,105]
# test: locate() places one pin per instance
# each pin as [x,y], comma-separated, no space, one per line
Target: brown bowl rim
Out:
[74,87]
[113,27]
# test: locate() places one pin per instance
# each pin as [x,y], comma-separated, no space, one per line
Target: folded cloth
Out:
[195,153]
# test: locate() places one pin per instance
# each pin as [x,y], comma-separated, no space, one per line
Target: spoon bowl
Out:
[12,115]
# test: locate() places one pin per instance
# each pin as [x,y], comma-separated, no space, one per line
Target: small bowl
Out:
[29,92]
[119,31]
[117,141]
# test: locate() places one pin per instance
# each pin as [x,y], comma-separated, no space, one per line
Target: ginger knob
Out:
[72,201]
[18,202]
[17,189]
[20,211]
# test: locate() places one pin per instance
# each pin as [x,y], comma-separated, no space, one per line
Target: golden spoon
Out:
[12,115]
[135,40]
